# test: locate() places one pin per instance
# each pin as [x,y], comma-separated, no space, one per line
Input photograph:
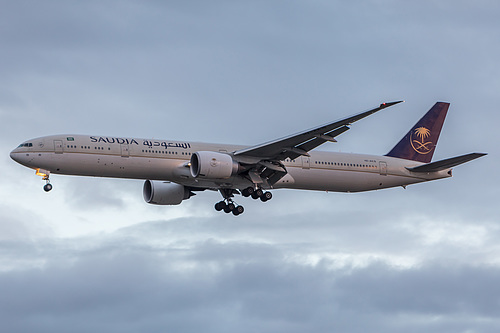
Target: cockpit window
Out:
[27,144]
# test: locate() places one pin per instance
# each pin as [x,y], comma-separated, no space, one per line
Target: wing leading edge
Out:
[300,143]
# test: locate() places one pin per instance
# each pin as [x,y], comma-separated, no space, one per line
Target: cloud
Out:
[125,284]
[91,255]
[83,193]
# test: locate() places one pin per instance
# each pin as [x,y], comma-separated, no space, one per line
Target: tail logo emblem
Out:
[417,140]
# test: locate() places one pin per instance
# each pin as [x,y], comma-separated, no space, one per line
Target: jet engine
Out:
[213,165]
[164,193]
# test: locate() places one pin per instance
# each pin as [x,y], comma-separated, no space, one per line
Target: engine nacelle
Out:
[212,165]
[164,193]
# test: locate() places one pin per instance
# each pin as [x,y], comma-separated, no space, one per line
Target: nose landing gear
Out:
[48,186]
[45,174]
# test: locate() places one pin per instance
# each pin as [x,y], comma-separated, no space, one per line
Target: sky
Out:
[91,255]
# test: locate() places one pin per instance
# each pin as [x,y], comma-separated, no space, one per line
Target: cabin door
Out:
[306,162]
[383,168]
[58,146]
[124,150]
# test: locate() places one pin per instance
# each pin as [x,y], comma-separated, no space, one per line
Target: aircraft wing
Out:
[300,143]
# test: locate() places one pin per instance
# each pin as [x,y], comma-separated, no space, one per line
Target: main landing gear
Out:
[228,205]
[256,194]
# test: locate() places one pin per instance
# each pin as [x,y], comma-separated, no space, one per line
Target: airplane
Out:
[174,170]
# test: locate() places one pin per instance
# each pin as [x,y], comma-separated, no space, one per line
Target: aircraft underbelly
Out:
[344,180]
[108,166]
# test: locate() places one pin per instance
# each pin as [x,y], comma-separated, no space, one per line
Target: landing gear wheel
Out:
[47,187]
[238,210]
[228,208]
[247,192]
[266,196]
[220,206]
[257,194]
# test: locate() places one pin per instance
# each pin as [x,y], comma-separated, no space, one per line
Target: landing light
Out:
[42,173]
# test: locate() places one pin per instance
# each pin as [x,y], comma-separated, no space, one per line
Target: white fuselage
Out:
[169,161]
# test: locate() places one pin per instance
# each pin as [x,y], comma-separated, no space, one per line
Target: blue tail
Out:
[420,142]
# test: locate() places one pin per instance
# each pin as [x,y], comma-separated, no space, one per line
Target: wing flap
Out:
[446,163]
[319,139]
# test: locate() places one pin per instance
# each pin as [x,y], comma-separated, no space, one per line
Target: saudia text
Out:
[148,143]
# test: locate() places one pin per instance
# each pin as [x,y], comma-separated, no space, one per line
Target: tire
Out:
[247,192]
[238,210]
[266,196]
[220,206]
[257,193]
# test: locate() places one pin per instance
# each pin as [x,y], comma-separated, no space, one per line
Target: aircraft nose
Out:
[19,156]
[14,155]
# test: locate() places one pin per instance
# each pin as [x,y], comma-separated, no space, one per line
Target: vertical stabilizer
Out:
[420,142]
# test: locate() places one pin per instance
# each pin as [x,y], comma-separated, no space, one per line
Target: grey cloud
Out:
[22,225]
[438,289]
[421,259]
[215,286]
[95,193]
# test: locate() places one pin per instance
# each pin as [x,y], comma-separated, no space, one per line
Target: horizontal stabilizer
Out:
[447,163]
